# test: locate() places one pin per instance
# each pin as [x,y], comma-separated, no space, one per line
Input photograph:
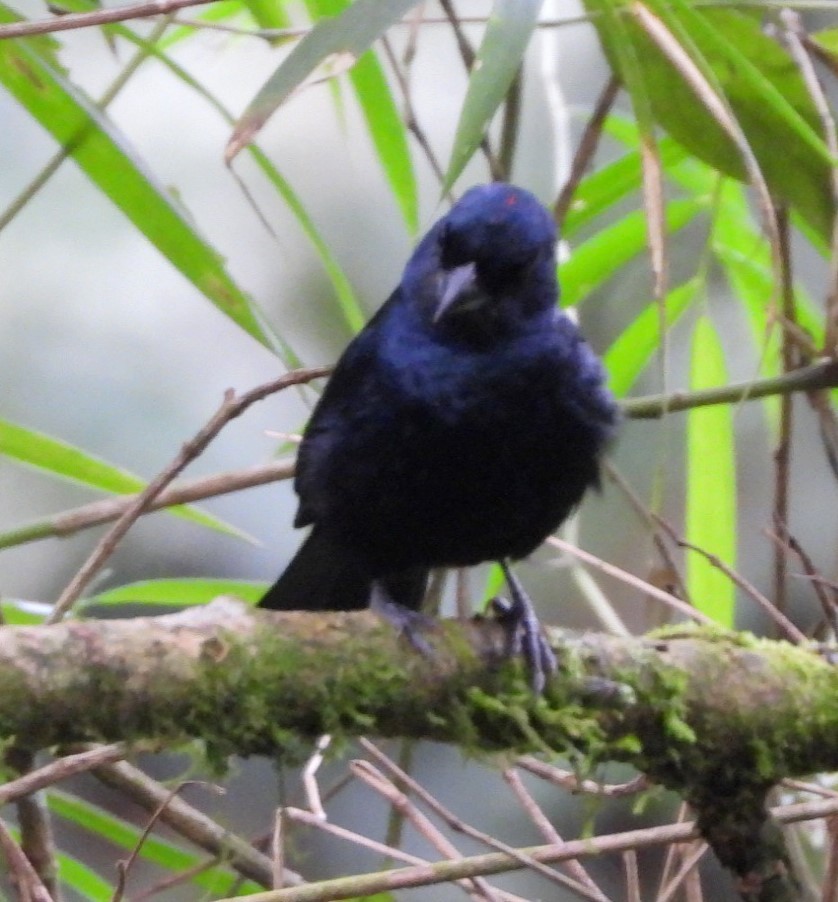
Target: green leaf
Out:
[347,301]
[595,261]
[598,192]
[621,47]
[498,60]
[226,11]
[635,346]
[351,33]
[388,135]
[83,879]
[764,89]
[23,613]
[179,592]
[35,449]
[711,483]
[268,13]
[29,71]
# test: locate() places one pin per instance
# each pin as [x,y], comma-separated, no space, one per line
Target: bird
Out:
[463,424]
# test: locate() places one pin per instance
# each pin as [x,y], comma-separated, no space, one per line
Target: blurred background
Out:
[105,345]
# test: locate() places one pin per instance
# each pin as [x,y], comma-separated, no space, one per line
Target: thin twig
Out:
[718,108]
[96,513]
[795,36]
[510,125]
[798,43]
[588,144]
[821,374]
[157,889]
[190,823]
[688,866]
[630,579]
[549,832]
[29,884]
[792,633]
[782,453]
[460,826]
[788,542]
[36,835]
[468,57]
[70,21]
[59,770]
[372,777]
[496,862]
[302,816]
[387,851]
[232,407]
[124,866]
[571,782]
[309,776]
[673,572]
[409,113]
[632,876]
[830,878]
[278,849]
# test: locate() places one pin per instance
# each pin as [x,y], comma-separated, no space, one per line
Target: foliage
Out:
[729,151]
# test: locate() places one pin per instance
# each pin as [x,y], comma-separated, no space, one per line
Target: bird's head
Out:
[492,256]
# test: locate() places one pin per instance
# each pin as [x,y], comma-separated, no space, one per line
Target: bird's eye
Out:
[454,251]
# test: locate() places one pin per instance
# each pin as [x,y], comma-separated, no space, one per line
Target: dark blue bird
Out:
[463,424]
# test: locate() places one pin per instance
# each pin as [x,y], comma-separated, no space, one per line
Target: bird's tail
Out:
[322,576]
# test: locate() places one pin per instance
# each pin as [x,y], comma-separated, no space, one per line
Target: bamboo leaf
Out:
[35,449]
[711,483]
[597,259]
[29,71]
[349,34]
[179,592]
[387,131]
[600,191]
[500,56]
[761,85]
[388,135]
[633,349]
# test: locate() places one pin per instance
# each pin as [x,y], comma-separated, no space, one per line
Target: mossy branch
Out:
[719,717]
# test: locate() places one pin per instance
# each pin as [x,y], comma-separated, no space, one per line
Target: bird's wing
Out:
[351,386]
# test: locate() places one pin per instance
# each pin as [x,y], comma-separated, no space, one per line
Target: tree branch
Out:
[718,717]
[816,376]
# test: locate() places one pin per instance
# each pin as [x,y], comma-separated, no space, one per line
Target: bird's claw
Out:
[408,623]
[524,634]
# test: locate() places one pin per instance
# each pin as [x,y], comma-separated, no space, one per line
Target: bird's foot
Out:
[409,623]
[524,633]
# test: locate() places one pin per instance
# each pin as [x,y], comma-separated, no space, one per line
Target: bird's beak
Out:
[458,286]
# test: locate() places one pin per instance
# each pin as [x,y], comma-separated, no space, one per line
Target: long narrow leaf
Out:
[760,85]
[498,60]
[634,348]
[350,33]
[346,298]
[386,128]
[711,483]
[35,449]
[598,192]
[595,261]
[388,135]
[179,592]
[745,256]
[30,72]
